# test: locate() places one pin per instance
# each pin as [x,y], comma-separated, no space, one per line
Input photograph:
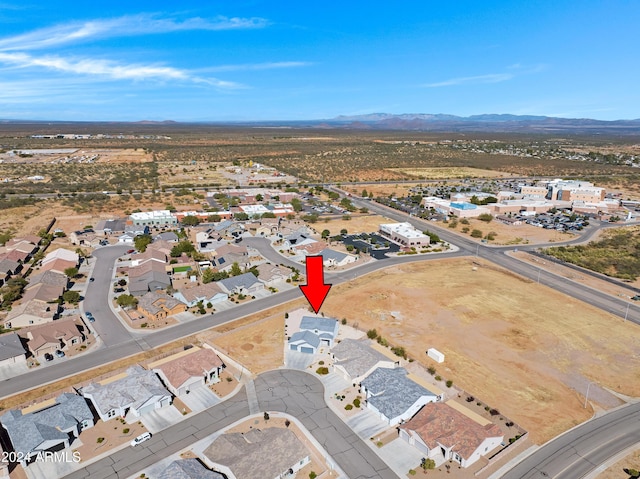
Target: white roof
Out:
[254,209]
[405,229]
[61,253]
[149,215]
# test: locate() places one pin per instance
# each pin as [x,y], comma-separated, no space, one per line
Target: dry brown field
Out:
[357,224]
[616,471]
[443,173]
[519,346]
[508,234]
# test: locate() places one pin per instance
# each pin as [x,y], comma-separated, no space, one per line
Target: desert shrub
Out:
[476,234]
[349,407]
[372,334]
[322,370]
[438,378]
[356,402]
[449,383]
[125,430]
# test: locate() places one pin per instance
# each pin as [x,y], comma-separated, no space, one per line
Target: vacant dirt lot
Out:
[616,471]
[357,224]
[516,345]
[445,173]
[508,234]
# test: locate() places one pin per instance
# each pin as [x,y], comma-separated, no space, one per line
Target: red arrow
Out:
[316,289]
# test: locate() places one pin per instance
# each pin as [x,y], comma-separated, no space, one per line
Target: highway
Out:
[296,393]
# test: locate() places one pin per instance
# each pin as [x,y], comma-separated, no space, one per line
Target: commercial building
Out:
[404,234]
[154,218]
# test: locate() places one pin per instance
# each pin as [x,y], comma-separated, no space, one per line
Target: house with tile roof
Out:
[355,359]
[58,265]
[190,468]
[30,313]
[137,392]
[49,429]
[272,453]
[189,369]
[149,276]
[50,277]
[45,293]
[443,433]
[49,337]
[61,253]
[272,274]
[207,293]
[156,306]
[12,349]
[395,397]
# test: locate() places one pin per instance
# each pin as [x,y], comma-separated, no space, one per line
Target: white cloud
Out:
[490,78]
[130,25]
[255,66]
[110,69]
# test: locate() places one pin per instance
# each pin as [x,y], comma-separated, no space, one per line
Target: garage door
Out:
[306,349]
[293,347]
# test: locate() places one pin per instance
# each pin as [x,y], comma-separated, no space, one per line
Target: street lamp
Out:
[586,397]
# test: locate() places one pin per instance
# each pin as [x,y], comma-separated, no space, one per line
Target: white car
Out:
[141,438]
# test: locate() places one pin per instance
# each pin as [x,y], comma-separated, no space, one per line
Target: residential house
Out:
[156,306]
[63,254]
[207,242]
[304,342]
[168,236]
[49,337]
[136,230]
[325,328]
[150,254]
[188,369]
[355,359]
[58,265]
[207,293]
[110,226]
[395,397]
[149,276]
[138,392]
[13,255]
[335,258]
[9,267]
[310,249]
[26,246]
[49,429]
[86,237]
[50,277]
[126,238]
[443,433]
[188,469]
[272,453]
[12,350]
[246,284]
[30,313]
[271,274]
[297,238]
[45,293]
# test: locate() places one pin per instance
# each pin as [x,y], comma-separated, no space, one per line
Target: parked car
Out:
[130,251]
[89,316]
[48,357]
[59,353]
[141,438]
[636,297]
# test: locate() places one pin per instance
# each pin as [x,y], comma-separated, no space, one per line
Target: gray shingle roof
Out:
[306,336]
[332,254]
[311,323]
[10,346]
[245,280]
[356,357]
[188,469]
[132,390]
[393,391]
[30,430]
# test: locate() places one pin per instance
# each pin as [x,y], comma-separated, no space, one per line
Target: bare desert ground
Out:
[616,471]
[518,346]
[357,224]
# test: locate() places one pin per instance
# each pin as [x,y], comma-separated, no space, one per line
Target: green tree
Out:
[190,220]
[4,237]
[141,242]
[127,301]
[214,218]
[364,194]
[71,272]
[486,217]
[207,275]
[268,214]
[372,334]
[182,247]
[428,464]
[325,234]
[296,204]
[235,269]
[259,197]
[71,297]
[241,216]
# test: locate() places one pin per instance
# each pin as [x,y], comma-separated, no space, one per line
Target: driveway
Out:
[297,360]
[400,456]
[162,418]
[200,398]
[10,370]
[367,424]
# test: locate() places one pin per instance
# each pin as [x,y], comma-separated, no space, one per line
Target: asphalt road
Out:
[581,450]
[296,393]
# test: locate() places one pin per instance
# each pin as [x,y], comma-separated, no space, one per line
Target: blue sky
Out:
[266,60]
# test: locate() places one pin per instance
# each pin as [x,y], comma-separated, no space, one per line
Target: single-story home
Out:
[188,469]
[30,313]
[272,453]
[325,328]
[355,359]
[395,397]
[51,428]
[335,258]
[156,306]
[443,433]
[12,350]
[191,368]
[304,342]
[271,274]
[47,338]
[246,284]
[138,392]
[207,293]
